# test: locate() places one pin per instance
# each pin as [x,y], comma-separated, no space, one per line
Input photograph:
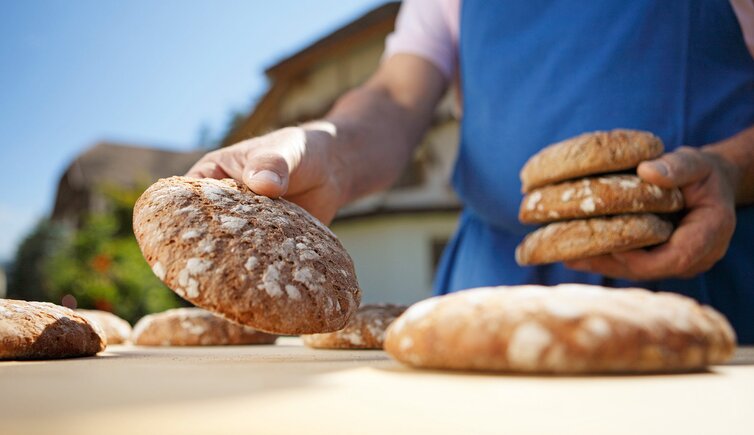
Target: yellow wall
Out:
[327,81]
[393,253]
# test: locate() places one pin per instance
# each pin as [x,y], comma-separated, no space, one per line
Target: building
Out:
[79,191]
[394,237]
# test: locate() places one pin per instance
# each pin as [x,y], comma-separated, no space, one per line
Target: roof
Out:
[126,164]
[373,24]
[108,163]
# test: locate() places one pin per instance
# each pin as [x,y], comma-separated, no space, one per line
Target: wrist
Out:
[729,169]
[325,140]
[737,152]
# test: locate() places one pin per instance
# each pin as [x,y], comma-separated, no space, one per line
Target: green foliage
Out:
[26,278]
[100,264]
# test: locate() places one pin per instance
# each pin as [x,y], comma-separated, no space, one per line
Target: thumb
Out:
[679,168]
[267,175]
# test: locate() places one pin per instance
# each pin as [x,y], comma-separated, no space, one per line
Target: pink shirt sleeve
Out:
[428,29]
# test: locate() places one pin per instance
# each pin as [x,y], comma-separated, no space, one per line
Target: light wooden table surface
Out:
[289,389]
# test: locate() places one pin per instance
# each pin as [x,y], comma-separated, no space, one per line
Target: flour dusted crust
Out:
[589,153]
[194,327]
[570,328]
[116,329]
[365,330]
[583,238]
[41,330]
[257,261]
[597,196]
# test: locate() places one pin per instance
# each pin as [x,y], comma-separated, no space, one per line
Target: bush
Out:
[99,264]
[26,274]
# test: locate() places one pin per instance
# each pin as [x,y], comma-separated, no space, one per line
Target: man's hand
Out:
[294,162]
[702,237]
[360,147]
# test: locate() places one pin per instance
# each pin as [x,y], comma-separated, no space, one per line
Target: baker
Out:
[530,73]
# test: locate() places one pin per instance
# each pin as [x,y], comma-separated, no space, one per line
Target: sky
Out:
[145,72]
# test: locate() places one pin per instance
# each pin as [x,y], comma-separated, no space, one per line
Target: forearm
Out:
[374,129]
[738,154]
[375,140]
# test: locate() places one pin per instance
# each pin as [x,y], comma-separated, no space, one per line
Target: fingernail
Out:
[659,167]
[265,175]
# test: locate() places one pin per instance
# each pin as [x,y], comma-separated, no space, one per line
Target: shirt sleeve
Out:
[428,29]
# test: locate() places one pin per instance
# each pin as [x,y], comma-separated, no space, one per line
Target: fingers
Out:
[264,172]
[267,174]
[206,169]
[702,237]
[607,265]
[695,246]
[679,168]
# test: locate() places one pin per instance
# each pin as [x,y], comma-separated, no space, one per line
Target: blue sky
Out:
[141,71]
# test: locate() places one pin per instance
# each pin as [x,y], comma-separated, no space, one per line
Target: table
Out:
[290,389]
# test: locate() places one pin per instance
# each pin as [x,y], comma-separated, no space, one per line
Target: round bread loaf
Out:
[194,327]
[588,154]
[599,196]
[365,330]
[261,262]
[41,330]
[583,238]
[570,328]
[116,330]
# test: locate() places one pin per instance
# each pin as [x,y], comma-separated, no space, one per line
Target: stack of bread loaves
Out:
[592,205]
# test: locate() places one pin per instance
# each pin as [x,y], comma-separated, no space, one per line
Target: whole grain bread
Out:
[566,329]
[597,196]
[194,327]
[41,330]
[261,262]
[116,329]
[588,154]
[365,330]
[583,238]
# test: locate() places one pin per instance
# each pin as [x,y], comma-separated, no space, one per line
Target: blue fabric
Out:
[538,71]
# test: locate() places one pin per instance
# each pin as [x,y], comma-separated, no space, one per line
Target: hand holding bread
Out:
[605,222]
[702,235]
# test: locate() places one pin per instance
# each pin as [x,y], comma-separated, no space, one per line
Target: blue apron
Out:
[538,71]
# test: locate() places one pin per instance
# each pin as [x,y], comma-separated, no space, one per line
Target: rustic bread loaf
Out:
[365,330]
[194,327]
[261,262]
[569,328]
[582,238]
[597,196]
[588,154]
[116,329]
[41,330]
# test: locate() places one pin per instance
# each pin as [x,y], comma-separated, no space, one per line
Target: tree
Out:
[26,277]
[99,264]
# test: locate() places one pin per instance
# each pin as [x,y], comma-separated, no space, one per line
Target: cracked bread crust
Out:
[260,262]
[597,196]
[566,329]
[194,327]
[588,154]
[41,330]
[365,330]
[584,238]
